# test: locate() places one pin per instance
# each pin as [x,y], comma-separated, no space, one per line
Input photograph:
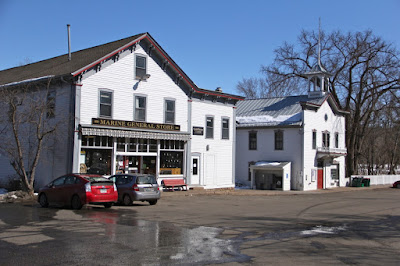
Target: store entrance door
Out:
[148,165]
[320,175]
[195,170]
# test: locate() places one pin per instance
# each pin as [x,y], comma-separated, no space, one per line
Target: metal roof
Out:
[279,111]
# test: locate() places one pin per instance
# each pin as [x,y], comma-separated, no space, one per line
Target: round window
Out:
[326,117]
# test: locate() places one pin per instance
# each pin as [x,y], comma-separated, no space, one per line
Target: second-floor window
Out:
[169,111]
[336,140]
[278,140]
[314,140]
[225,128]
[325,139]
[140,108]
[252,140]
[209,127]
[105,103]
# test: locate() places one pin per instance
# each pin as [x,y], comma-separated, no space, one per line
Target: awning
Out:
[134,134]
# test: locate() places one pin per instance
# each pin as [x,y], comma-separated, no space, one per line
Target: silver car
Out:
[136,187]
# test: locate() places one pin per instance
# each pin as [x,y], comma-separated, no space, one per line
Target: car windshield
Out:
[97,179]
[146,179]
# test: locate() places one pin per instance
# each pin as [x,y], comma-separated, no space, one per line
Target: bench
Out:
[170,184]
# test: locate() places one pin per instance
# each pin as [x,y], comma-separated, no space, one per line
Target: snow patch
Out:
[267,164]
[27,80]
[265,119]
[323,230]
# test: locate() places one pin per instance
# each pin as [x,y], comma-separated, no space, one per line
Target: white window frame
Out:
[276,147]
[326,139]
[135,107]
[251,148]
[314,139]
[212,128]
[166,111]
[225,129]
[140,77]
[111,104]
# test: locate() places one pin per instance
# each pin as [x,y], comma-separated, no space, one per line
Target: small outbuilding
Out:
[271,175]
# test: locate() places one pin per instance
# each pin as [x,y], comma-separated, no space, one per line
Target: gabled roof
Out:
[85,59]
[60,66]
[279,111]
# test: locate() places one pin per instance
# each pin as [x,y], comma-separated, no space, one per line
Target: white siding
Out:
[292,139]
[334,124]
[216,171]
[119,77]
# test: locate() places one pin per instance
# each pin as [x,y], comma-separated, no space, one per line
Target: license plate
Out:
[148,189]
[103,190]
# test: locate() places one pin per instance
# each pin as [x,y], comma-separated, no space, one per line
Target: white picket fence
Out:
[380,179]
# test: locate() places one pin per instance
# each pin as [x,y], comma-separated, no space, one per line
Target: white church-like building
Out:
[294,142]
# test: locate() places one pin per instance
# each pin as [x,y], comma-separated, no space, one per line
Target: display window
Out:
[171,162]
[96,161]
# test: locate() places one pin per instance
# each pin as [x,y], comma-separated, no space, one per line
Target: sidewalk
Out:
[251,192]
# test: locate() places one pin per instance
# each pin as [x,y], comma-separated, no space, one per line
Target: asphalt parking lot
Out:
[340,226]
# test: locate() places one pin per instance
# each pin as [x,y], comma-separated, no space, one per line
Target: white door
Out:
[195,170]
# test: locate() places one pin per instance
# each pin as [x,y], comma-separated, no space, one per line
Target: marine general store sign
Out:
[133,124]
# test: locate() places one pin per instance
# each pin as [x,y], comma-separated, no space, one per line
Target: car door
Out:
[54,194]
[72,186]
[120,183]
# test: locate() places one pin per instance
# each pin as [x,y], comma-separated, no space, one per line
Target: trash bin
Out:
[366,182]
[357,182]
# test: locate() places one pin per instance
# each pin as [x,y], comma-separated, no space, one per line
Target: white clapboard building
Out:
[130,108]
[292,143]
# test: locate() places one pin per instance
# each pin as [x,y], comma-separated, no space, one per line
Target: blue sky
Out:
[216,43]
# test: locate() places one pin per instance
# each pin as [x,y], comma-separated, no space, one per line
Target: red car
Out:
[396,184]
[76,190]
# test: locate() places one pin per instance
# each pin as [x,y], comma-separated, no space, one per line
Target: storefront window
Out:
[96,161]
[121,144]
[97,141]
[172,145]
[152,145]
[171,163]
[132,145]
[142,145]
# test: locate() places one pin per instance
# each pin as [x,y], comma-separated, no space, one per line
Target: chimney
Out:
[69,42]
[219,89]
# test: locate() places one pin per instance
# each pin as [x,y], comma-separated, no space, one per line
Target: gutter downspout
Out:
[189,145]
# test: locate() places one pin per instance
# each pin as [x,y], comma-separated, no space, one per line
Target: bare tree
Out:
[26,122]
[364,68]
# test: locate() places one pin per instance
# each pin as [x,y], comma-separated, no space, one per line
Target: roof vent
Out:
[218,89]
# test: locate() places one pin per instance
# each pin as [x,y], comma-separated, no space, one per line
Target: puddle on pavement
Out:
[161,242]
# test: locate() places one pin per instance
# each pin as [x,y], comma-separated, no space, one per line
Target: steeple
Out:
[318,77]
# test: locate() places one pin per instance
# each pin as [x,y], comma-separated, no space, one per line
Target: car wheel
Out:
[76,203]
[398,186]
[127,200]
[107,205]
[43,200]
[153,202]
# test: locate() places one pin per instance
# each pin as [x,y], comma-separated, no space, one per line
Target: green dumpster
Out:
[366,182]
[357,182]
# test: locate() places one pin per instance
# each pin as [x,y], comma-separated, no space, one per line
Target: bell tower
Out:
[318,77]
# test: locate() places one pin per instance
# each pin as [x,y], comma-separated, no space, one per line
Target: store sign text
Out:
[133,124]
[198,131]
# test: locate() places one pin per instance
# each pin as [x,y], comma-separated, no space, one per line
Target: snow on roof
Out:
[27,80]
[269,120]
